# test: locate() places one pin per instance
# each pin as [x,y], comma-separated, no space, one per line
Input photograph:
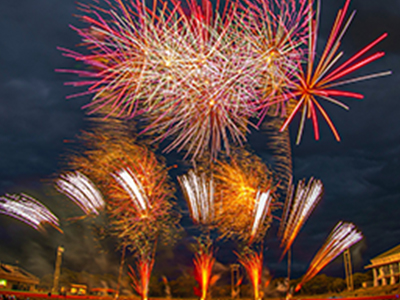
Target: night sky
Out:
[360,174]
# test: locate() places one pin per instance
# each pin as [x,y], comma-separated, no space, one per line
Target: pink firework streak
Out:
[317,80]
[28,210]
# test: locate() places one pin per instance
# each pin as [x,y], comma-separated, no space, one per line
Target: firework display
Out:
[28,210]
[82,192]
[342,237]
[196,77]
[298,207]
[252,261]
[245,195]
[199,194]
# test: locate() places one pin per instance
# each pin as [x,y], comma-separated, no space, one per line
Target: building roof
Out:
[390,256]
[15,273]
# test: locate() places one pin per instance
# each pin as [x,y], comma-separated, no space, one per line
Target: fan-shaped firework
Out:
[198,190]
[28,210]
[299,205]
[343,236]
[317,80]
[81,191]
[244,199]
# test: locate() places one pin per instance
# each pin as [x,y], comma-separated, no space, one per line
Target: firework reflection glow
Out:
[298,207]
[28,210]
[82,191]
[342,237]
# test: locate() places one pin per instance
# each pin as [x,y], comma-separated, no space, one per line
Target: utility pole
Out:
[348,269]
[235,288]
[56,277]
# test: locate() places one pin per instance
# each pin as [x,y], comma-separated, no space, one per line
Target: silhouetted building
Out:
[386,267]
[15,278]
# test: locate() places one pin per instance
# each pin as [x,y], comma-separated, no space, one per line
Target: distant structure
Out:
[348,269]
[56,276]
[15,278]
[386,267]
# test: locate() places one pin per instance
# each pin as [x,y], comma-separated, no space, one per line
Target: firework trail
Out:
[342,237]
[203,264]
[28,210]
[82,191]
[317,80]
[199,194]
[298,207]
[253,263]
[279,146]
[245,190]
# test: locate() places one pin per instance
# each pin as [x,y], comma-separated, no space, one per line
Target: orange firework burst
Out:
[135,184]
[203,264]
[253,263]
[245,195]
